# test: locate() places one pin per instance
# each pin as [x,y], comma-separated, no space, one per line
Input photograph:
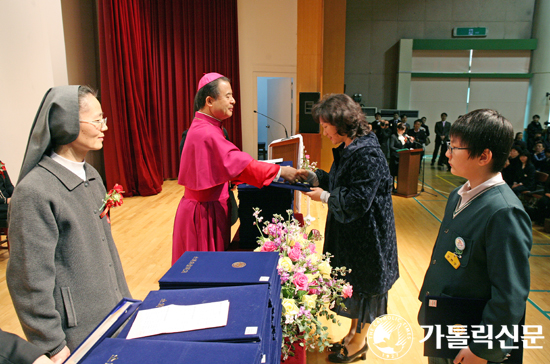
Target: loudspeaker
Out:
[306,123]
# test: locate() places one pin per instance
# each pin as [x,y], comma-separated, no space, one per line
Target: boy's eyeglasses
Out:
[97,123]
[455,148]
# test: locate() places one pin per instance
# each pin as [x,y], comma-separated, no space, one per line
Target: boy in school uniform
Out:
[487,232]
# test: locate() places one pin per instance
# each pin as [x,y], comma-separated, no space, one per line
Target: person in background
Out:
[518,140]
[14,350]
[512,166]
[393,123]
[539,157]
[417,134]
[383,133]
[442,129]
[360,226]
[398,141]
[64,274]
[404,120]
[541,211]
[546,166]
[533,129]
[208,162]
[525,178]
[425,126]
[487,230]
[6,190]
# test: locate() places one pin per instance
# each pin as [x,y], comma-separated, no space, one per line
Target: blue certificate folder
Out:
[120,351]
[106,328]
[222,269]
[298,186]
[229,269]
[249,317]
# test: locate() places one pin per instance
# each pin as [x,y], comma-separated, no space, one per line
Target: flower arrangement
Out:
[306,163]
[112,199]
[309,285]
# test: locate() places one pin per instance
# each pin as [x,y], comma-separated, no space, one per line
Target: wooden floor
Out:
[142,229]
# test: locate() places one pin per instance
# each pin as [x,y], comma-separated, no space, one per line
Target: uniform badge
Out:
[460,245]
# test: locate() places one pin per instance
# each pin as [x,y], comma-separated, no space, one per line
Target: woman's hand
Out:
[42,360]
[60,357]
[288,173]
[315,193]
[466,356]
[302,175]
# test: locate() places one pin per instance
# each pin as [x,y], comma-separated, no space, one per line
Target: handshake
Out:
[294,175]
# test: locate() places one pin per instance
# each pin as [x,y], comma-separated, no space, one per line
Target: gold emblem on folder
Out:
[238,264]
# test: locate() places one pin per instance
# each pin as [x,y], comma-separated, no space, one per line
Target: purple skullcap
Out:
[207,78]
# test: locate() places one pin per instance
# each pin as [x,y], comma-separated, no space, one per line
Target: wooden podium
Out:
[407,174]
[290,149]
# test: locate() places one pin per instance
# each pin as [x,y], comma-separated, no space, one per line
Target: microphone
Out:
[286,133]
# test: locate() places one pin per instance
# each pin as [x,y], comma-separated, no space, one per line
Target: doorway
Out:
[276,103]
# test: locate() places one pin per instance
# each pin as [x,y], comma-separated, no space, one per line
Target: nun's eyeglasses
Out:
[97,123]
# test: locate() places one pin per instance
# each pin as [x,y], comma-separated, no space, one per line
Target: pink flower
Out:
[312,248]
[315,235]
[313,291]
[300,281]
[268,246]
[347,290]
[294,254]
[307,156]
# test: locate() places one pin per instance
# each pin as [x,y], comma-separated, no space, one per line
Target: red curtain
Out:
[152,55]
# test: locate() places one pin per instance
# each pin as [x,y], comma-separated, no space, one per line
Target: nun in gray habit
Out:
[64,274]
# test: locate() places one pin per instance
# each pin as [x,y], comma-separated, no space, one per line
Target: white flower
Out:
[325,269]
[286,264]
[309,301]
[290,307]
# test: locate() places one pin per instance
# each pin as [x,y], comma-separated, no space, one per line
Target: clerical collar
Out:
[75,167]
[210,116]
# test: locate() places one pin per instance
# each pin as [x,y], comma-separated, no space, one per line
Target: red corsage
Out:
[112,199]
[2,168]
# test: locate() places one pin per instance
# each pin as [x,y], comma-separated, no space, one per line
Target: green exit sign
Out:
[470,32]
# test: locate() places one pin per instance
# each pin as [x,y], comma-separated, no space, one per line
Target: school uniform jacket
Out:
[14,350]
[494,264]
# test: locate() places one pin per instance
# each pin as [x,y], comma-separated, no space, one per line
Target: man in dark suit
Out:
[442,129]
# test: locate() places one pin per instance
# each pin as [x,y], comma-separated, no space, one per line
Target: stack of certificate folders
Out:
[245,271]
[249,281]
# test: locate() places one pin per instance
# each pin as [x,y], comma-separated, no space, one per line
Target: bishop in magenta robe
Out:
[208,163]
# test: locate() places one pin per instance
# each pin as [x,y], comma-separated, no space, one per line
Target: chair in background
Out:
[529,198]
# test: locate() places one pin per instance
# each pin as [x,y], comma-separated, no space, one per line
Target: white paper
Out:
[272,161]
[179,318]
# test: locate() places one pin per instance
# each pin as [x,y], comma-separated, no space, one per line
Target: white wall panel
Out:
[501,61]
[433,96]
[440,61]
[507,96]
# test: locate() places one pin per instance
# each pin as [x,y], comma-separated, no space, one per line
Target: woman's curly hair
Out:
[341,111]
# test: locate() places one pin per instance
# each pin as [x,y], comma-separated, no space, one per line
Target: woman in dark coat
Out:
[360,228]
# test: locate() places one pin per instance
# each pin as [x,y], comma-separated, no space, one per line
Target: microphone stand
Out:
[423,170]
[286,132]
